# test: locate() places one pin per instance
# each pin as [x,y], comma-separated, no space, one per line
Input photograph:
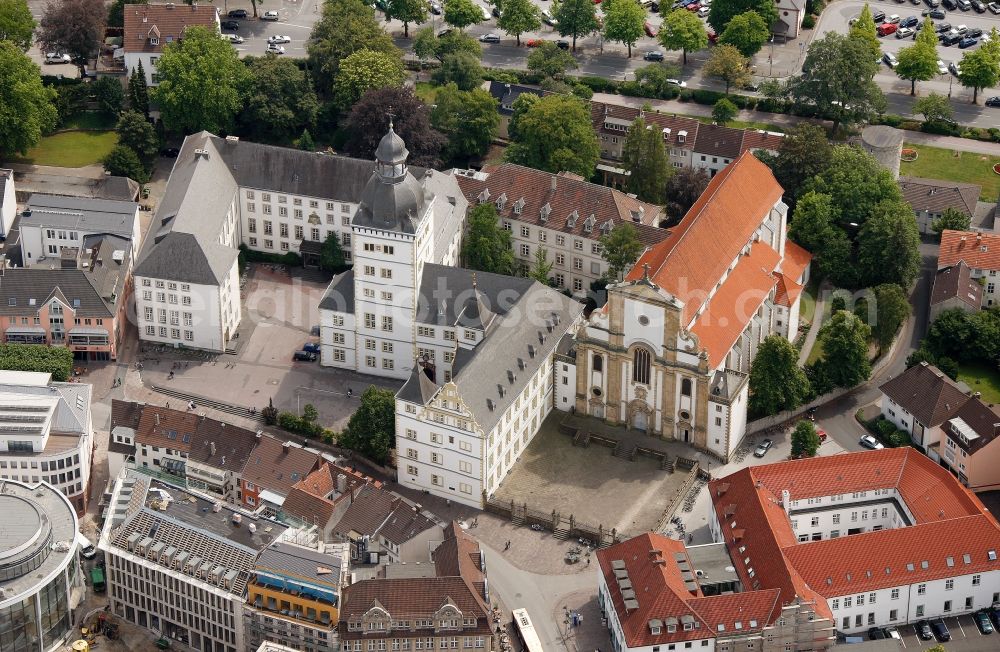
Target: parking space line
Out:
[962,629]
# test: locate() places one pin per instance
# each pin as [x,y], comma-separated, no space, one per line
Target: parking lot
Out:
[965,636]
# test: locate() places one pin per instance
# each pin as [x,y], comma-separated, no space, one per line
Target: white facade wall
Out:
[565,385]
[338,345]
[202,312]
[903,420]
[991,285]
[66,470]
[276,223]
[961,594]
[576,260]
[40,243]
[8,202]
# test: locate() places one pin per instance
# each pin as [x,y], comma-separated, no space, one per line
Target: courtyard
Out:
[590,483]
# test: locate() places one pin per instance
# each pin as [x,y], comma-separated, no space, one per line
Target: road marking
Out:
[962,629]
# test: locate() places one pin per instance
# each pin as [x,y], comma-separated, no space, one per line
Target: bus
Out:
[526,631]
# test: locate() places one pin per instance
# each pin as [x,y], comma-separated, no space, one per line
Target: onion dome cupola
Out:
[393,199]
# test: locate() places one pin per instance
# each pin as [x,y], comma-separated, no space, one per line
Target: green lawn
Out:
[71,149]
[426,91]
[982,378]
[739,124]
[807,302]
[937,163]
[91,120]
[816,352]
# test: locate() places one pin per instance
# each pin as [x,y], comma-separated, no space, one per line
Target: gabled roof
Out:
[935,195]
[712,234]
[973,425]
[24,291]
[507,94]
[166,22]
[315,497]
[377,512]
[979,250]
[719,140]
[795,260]
[602,114]
[956,282]
[926,392]
[560,202]
[81,214]
[459,556]
[277,466]
[162,427]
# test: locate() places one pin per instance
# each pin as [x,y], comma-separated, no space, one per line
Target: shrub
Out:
[582,90]
[994,134]
[301,425]
[291,258]
[57,361]
[940,127]
[599,84]
[809,22]
[702,96]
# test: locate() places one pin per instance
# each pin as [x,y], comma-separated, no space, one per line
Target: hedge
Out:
[54,360]
[291,258]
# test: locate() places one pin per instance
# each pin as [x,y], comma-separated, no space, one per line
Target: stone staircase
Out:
[201,401]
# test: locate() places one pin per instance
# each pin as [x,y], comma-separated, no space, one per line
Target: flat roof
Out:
[713,560]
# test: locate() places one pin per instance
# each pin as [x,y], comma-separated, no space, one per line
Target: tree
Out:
[776,381]
[55,360]
[837,80]
[645,157]
[845,350]
[891,310]
[371,430]
[280,101]
[721,13]
[805,440]
[109,94]
[408,11]
[518,17]
[747,32]
[122,161]
[724,111]
[487,247]
[366,70]
[541,268]
[202,83]
[468,118]
[934,107]
[367,124]
[918,62]
[345,27]
[728,65]
[979,70]
[461,69]
[331,255]
[813,222]
[551,61]
[305,142]
[803,153]
[683,30]
[462,13]
[620,249]
[856,182]
[26,109]
[659,79]
[864,30]
[623,22]
[682,191]
[17,25]
[576,18]
[952,219]
[889,246]
[555,134]
[136,133]
[138,92]
[426,44]
[74,27]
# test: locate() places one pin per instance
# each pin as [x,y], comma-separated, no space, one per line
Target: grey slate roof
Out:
[179,257]
[927,393]
[530,321]
[81,213]
[935,195]
[301,562]
[507,94]
[339,296]
[955,281]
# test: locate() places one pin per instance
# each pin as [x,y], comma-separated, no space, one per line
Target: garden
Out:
[964,167]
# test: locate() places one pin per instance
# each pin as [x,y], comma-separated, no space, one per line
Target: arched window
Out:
[598,363]
[686,387]
[640,366]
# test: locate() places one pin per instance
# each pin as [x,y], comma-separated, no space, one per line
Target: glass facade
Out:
[20,628]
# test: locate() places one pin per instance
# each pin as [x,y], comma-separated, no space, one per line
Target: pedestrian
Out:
[168,405]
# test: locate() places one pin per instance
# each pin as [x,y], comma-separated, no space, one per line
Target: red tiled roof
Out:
[956,282]
[719,225]
[315,497]
[949,522]
[166,22]
[599,112]
[978,250]
[755,139]
[163,427]
[564,195]
[787,291]
[795,261]
[751,610]
[735,303]
[277,467]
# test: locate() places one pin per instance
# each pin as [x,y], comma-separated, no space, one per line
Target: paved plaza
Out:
[590,483]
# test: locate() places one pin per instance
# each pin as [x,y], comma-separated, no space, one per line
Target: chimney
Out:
[553,183]
[157,418]
[211,447]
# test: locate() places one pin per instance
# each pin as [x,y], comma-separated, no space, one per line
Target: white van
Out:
[704,11]
[87,549]
[486,13]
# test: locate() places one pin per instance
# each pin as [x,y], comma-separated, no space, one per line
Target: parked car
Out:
[975,32]
[994,102]
[704,11]
[170,152]
[870,442]
[878,17]
[653,55]
[892,632]
[235,39]
[955,68]
[909,21]
[562,44]
[238,13]
[875,634]
[445,32]
[949,39]
[304,356]
[936,14]
[486,13]
[490,38]
[904,32]
[649,29]
[964,5]
[890,59]
[821,434]
[311,347]
[962,29]
[994,611]
[894,19]
[933,4]
[885,29]
[762,448]
[924,630]
[436,8]
[273,48]
[941,631]
[967,43]
[56,57]
[230,24]
[983,622]
[994,7]
[950,5]
[547,18]
[270,15]
[678,83]
[941,28]
[979,6]
[278,38]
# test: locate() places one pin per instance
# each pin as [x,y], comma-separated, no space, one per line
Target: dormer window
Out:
[655,631]
[588,225]
[682,136]
[544,213]
[501,201]
[154,41]
[573,217]
[519,206]
[484,196]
